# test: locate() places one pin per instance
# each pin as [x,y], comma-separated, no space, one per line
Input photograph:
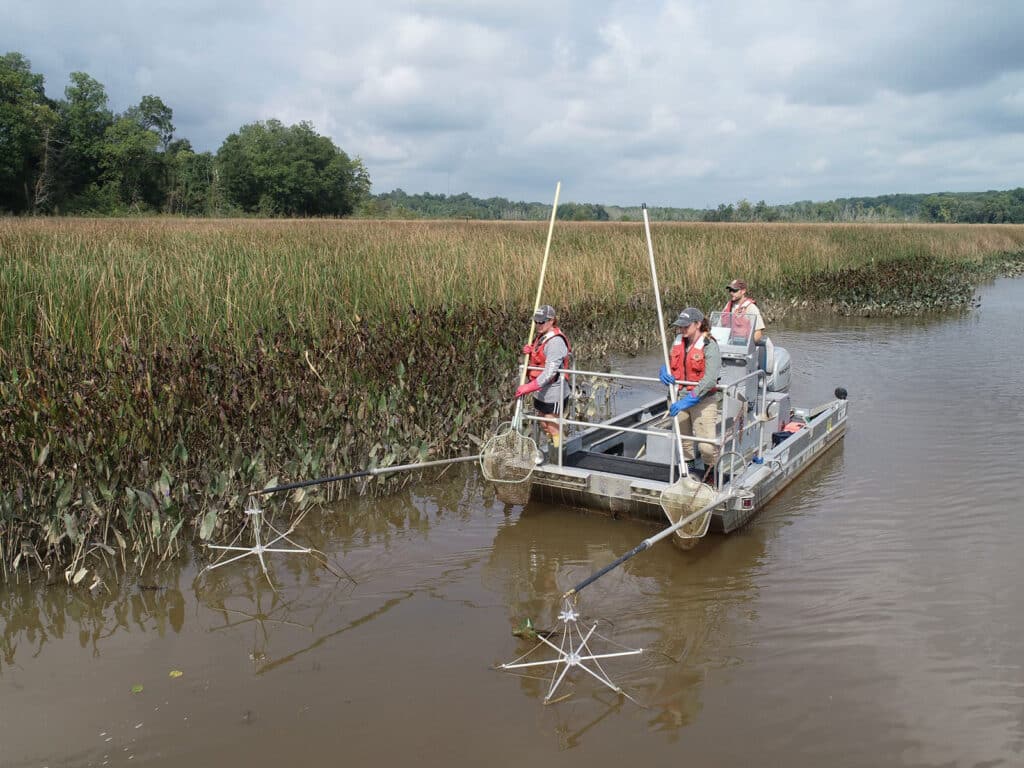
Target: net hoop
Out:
[508,456]
[684,497]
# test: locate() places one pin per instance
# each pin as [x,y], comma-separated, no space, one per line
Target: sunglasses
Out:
[733,290]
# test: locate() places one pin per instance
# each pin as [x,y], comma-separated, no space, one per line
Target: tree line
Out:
[74,155]
[993,207]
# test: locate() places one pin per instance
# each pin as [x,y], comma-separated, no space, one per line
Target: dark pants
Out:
[549,409]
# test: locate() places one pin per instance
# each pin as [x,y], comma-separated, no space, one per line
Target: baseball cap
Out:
[687,316]
[544,313]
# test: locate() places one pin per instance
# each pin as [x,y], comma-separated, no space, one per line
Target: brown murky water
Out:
[871,615]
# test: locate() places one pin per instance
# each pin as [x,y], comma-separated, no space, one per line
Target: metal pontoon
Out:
[621,465]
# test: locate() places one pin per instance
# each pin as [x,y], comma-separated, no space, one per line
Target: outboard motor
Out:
[780,374]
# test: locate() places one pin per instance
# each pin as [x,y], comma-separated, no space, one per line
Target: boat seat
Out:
[619,465]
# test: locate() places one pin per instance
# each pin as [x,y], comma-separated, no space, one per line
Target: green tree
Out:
[27,120]
[271,169]
[153,115]
[84,119]
[131,164]
[191,186]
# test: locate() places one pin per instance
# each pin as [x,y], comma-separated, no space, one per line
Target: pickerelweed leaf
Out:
[206,528]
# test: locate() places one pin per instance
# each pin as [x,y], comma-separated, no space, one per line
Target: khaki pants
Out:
[702,421]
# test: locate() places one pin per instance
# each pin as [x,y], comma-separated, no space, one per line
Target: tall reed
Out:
[99,282]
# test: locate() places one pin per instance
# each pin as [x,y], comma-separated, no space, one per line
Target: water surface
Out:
[869,616]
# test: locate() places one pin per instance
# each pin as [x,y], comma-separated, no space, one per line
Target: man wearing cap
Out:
[548,353]
[695,359]
[741,313]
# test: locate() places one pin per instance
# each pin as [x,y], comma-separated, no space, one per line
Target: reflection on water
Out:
[869,616]
[35,614]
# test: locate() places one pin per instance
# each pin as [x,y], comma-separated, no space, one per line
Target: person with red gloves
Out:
[549,352]
[696,360]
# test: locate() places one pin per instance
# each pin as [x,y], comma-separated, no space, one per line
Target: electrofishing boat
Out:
[624,465]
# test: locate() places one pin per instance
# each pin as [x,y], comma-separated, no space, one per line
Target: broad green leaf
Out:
[174,531]
[65,494]
[206,528]
[71,527]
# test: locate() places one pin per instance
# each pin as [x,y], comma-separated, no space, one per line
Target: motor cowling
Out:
[780,375]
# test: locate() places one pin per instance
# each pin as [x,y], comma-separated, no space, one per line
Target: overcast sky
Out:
[671,103]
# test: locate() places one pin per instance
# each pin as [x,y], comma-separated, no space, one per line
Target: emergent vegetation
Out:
[153,371]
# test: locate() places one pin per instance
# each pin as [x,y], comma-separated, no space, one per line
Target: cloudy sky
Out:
[682,103]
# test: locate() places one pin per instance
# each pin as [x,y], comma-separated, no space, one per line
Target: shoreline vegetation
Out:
[154,371]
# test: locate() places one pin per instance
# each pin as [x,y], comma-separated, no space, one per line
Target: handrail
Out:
[730,390]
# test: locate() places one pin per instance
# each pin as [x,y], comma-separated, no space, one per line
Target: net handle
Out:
[664,339]
[517,418]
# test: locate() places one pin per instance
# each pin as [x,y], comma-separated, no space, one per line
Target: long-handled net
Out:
[681,499]
[509,456]
[686,495]
[507,460]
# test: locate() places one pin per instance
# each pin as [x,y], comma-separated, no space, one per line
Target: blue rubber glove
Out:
[681,405]
[666,377]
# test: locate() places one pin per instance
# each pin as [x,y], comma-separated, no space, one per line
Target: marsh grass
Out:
[96,283]
[154,371]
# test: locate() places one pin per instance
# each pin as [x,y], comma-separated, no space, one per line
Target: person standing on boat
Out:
[741,313]
[696,359]
[549,352]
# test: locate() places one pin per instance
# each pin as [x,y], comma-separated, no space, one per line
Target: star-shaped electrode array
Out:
[256,521]
[573,651]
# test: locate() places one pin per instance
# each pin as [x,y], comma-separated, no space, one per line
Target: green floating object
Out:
[136,689]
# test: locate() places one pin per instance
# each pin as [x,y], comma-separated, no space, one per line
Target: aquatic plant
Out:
[153,372]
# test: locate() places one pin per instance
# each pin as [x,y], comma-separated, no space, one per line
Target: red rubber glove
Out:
[528,349]
[526,389]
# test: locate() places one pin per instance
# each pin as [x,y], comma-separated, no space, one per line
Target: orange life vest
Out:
[538,359]
[736,319]
[687,363]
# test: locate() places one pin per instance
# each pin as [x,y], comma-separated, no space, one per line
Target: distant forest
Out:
[947,207]
[75,156]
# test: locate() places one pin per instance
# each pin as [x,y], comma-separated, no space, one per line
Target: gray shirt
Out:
[553,388]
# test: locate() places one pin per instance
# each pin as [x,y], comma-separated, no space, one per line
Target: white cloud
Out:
[680,102]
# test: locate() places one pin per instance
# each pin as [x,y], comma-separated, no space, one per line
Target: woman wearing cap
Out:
[695,358]
[548,353]
[741,313]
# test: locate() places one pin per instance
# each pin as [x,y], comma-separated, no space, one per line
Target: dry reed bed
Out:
[152,371]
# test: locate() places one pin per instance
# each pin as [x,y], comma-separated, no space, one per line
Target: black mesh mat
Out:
[618,465]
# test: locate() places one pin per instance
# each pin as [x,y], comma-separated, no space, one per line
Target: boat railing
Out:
[729,391]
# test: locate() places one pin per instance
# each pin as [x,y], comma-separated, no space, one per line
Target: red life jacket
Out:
[736,319]
[538,359]
[687,363]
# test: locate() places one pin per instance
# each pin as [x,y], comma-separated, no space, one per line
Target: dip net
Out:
[681,499]
[507,460]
